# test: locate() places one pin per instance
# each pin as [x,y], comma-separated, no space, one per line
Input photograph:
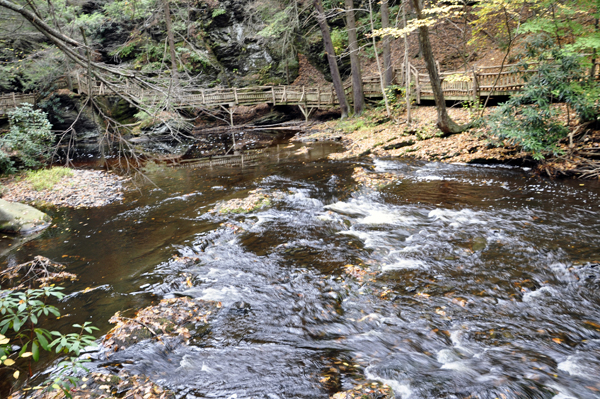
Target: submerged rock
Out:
[374,180]
[19,218]
[368,390]
[257,199]
[177,317]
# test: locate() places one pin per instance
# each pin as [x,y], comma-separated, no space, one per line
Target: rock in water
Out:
[20,218]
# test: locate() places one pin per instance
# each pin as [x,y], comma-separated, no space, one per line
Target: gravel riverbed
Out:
[84,189]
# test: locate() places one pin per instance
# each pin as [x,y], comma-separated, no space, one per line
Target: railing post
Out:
[418,82]
[203,99]
[475,86]
[319,96]
[14,99]
[235,95]
[273,93]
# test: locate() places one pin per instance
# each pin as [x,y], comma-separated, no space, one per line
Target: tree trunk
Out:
[388,71]
[333,67]
[406,66]
[383,93]
[357,84]
[171,38]
[445,124]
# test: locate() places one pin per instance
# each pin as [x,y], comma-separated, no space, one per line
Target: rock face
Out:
[18,218]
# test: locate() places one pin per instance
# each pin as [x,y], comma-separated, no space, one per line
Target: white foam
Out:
[541,292]
[347,208]
[227,294]
[404,264]
[378,217]
[572,367]
[457,218]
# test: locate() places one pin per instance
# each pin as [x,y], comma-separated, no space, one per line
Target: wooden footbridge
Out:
[472,85]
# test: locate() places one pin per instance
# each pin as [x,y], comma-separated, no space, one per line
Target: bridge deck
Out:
[457,86]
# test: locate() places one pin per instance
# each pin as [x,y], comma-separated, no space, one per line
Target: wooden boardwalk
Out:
[472,85]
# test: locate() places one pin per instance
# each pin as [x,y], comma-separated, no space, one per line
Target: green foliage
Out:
[352,125]
[530,119]
[20,314]
[395,96]
[121,10]
[339,37]
[218,11]
[474,108]
[29,138]
[278,23]
[45,179]
[566,23]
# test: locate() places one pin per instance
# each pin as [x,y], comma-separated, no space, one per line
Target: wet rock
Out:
[405,143]
[368,390]
[275,117]
[240,307]
[169,129]
[479,244]
[374,180]
[16,218]
[258,199]
[65,110]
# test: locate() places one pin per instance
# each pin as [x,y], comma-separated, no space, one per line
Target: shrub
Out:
[24,308]
[531,120]
[29,139]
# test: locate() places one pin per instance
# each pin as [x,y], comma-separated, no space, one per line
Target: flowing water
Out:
[464,281]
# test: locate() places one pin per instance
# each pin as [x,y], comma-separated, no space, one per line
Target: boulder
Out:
[19,218]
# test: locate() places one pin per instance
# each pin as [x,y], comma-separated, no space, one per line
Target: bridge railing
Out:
[8,102]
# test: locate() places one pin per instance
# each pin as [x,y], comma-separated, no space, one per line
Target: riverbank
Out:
[79,188]
[376,135]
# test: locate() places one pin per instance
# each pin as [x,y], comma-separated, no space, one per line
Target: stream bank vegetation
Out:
[28,298]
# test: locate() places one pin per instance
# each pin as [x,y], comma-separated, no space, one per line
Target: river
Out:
[456,281]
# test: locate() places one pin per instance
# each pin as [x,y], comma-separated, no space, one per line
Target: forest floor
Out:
[377,135]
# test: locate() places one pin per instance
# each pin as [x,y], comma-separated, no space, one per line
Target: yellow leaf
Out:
[16,374]
[4,341]
[9,362]
[26,354]
[557,340]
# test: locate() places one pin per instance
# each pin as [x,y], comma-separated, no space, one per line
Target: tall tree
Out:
[388,72]
[333,67]
[171,39]
[383,93]
[445,123]
[407,71]
[357,84]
